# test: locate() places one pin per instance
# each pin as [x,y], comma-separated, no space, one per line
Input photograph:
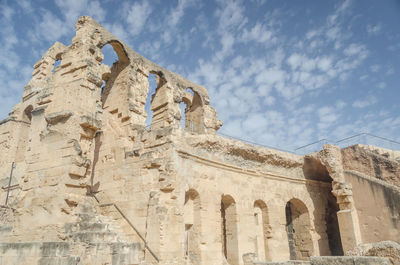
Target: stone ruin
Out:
[92,184]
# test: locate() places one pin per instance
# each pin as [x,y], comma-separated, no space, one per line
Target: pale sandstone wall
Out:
[378,208]
[180,189]
[217,173]
[377,163]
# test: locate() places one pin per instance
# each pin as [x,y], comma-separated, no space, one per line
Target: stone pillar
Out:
[349,227]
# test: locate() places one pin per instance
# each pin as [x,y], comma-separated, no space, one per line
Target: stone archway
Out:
[298,230]
[229,235]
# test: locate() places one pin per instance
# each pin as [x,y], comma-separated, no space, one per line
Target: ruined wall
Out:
[374,174]
[93,181]
[378,208]
[255,180]
[373,162]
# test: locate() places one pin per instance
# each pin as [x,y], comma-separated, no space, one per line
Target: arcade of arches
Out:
[94,183]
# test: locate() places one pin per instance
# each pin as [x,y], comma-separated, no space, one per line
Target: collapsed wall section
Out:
[192,196]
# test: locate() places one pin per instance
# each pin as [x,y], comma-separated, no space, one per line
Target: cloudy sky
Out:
[280,73]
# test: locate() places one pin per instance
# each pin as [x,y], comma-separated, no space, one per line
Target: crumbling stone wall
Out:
[90,175]
[377,163]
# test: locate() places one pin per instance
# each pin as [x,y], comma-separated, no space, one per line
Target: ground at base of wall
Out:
[346,260]
[389,249]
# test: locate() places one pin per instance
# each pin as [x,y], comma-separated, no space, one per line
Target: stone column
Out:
[349,227]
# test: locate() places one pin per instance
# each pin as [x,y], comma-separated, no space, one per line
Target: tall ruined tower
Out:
[93,184]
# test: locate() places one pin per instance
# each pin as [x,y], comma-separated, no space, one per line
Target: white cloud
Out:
[334,33]
[178,12]
[374,29]
[7,12]
[362,103]
[51,28]
[25,5]
[324,63]
[258,33]
[340,104]
[231,15]
[327,117]
[118,30]
[375,68]
[72,9]
[227,41]
[270,77]
[354,49]
[381,85]
[312,33]
[295,60]
[137,15]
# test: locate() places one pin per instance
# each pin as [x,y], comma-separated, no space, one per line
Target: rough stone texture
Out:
[377,206]
[375,162]
[349,261]
[388,249]
[100,187]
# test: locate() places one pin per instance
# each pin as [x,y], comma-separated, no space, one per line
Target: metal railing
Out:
[254,143]
[9,182]
[359,138]
[130,224]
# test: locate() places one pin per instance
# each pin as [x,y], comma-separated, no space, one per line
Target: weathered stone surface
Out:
[93,184]
[349,261]
[387,249]
[375,162]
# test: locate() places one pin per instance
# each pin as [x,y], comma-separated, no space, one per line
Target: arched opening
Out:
[192,222]
[192,112]
[23,137]
[261,230]
[150,95]
[109,58]
[313,169]
[157,101]
[56,63]
[183,107]
[229,231]
[114,93]
[298,230]
[332,227]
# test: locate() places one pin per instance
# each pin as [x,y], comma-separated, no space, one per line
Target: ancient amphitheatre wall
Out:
[194,197]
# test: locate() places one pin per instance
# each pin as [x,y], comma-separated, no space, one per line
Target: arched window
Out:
[229,235]
[261,230]
[56,63]
[192,222]
[114,93]
[298,230]
[150,95]
[23,137]
[192,112]
[184,124]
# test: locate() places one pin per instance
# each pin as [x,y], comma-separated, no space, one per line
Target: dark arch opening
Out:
[298,230]
[229,230]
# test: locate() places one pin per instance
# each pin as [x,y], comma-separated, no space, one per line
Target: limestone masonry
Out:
[92,184]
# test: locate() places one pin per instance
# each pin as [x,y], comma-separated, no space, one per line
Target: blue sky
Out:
[280,73]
